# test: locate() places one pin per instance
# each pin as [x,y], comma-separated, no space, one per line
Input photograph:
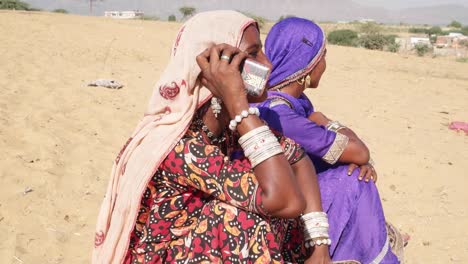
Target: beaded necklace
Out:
[199,124]
[224,141]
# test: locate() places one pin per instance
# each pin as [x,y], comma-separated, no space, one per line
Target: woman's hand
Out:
[355,152]
[222,76]
[319,256]
[367,172]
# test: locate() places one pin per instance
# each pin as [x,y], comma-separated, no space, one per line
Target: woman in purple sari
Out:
[296,48]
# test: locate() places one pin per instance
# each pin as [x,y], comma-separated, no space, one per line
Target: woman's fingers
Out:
[227,54]
[362,172]
[374,174]
[203,60]
[216,54]
[351,168]
[369,174]
[238,59]
[220,71]
[366,172]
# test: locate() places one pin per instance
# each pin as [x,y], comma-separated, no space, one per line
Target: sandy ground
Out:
[58,137]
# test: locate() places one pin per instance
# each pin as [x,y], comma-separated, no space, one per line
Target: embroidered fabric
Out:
[382,253]
[336,149]
[279,101]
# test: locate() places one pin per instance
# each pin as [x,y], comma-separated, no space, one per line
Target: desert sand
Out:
[58,137]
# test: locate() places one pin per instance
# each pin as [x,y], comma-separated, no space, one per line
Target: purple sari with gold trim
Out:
[357,223]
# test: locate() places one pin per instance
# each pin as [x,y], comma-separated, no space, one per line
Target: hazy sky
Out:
[391,4]
[409,3]
[382,10]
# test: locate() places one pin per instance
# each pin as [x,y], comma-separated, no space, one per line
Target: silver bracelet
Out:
[334,126]
[265,156]
[260,144]
[256,140]
[247,136]
[315,225]
[264,152]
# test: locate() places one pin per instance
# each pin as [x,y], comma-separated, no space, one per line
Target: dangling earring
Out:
[301,81]
[308,81]
[216,106]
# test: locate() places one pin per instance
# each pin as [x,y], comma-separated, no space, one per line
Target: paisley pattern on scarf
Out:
[170,91]
[202,207]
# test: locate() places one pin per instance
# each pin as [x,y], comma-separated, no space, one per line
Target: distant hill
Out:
[441,15]
[319,10]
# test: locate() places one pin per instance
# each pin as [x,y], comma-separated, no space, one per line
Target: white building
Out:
[455,34]
[367,20]
[124,14]
[418,40]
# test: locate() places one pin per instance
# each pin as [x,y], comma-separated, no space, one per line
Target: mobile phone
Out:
[255,76]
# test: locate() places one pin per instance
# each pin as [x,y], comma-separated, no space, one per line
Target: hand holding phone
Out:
[255,76]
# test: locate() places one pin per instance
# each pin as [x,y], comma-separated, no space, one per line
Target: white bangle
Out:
[247,137]
[245,113]
[316,226]
[314,215]
[249,150]
[260,144]
[271,152]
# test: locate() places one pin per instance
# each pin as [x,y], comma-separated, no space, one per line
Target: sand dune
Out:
[58,137]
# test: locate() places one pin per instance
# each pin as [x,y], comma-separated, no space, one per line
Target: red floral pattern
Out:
[176,44]
[99,238]
[117,159]
[170,91]
[201,207]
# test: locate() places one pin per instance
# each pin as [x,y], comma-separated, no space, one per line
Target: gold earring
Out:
[301,81]
[308,81]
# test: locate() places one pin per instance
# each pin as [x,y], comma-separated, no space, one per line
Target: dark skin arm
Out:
[281,195]
[355,152]
[308,184]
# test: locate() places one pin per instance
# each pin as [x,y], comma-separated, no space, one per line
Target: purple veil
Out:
[295,54]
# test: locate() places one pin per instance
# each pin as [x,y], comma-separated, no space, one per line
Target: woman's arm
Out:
[278,186]
[307,180]
[308,184]
[314,137]
[269,189]
[281,195]
[355,152]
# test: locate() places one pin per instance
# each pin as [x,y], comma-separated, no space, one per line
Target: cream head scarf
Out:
[170,111]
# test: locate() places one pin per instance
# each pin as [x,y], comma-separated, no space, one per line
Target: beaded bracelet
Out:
[245,113]
[318,242]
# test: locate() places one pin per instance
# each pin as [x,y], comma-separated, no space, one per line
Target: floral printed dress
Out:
[203,207]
